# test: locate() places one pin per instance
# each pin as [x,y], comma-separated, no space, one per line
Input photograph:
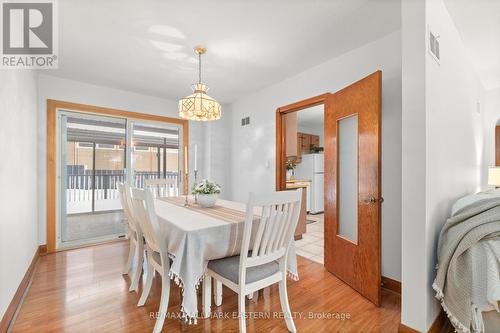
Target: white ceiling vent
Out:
[434,46]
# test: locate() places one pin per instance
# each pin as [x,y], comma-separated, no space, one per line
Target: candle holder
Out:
[195,183]
[186,203]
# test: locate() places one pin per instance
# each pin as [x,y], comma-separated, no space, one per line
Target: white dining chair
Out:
[135,237]
[156,251]
[262,263]
[162,187]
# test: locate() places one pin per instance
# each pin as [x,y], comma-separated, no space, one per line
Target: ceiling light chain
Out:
[199,67]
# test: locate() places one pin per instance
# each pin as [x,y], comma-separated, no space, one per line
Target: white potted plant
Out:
[290,169]
[207,192]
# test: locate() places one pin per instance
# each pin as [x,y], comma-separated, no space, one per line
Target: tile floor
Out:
[312,242]
[87,226]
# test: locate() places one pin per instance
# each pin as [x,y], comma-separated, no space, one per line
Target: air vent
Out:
[434,46]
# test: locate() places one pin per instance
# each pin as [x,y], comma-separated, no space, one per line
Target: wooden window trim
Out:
[52,107]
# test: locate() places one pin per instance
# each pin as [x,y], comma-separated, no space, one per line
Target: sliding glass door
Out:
[155,152]
[94,154]
[92,161]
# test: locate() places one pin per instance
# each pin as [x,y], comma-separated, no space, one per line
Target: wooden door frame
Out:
[52,107]
[281,134]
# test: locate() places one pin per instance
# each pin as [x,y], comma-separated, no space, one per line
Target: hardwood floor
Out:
[83,290]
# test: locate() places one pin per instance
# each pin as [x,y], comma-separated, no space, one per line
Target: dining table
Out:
[194,235]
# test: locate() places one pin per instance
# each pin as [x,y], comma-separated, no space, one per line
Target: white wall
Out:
[18,202]
[454,133]
[442,129]
[253,146]
[218,145]
[73,91]
[413,261]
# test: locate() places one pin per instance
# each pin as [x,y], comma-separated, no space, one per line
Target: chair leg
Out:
[131,254]
[165,294]
[206,296]
[138,269]
[241,313]
[285,307]
[250,296]
[218,293]
[147,286]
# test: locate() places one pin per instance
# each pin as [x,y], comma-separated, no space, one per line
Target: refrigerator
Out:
[311,169]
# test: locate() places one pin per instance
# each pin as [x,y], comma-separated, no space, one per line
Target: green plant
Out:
[290,165]
[314,149]
[206,187]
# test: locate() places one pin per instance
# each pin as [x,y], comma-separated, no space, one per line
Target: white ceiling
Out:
[146,46]
[478,22]
[311,117]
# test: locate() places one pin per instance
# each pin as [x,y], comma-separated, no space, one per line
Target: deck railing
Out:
[81,182]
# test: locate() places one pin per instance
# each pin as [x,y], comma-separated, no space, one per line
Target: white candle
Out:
[186,159]
[196,157]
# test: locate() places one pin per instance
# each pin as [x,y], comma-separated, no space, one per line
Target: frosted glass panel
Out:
[348,178]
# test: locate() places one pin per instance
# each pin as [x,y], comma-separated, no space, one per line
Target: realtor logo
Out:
[29,36]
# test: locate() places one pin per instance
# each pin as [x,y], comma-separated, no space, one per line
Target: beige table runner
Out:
[217,211]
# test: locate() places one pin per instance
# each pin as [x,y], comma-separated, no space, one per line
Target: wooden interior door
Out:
[352,185]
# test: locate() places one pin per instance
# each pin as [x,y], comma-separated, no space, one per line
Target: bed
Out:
[485,266]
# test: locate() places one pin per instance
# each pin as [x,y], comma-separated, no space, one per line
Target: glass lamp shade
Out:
[494,176]
[199,106]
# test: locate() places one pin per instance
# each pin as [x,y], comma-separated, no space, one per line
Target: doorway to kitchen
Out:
[305,169]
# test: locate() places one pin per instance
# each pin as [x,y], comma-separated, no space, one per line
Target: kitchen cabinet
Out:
[304,142]
[297,143]
[315,140]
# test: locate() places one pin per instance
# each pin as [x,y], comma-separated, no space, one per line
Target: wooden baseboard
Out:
[391,285]
[42,249]
[18,296]
[440,325]
[406,329]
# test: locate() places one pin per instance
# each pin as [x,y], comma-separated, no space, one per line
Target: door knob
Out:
[370,200]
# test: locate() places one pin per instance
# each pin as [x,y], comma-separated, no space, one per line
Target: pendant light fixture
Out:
[199,106]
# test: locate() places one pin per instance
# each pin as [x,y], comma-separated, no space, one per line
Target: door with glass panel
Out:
[92,160]
[155,153]
[352,185]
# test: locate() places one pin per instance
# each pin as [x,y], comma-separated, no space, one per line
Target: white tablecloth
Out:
[193,239]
